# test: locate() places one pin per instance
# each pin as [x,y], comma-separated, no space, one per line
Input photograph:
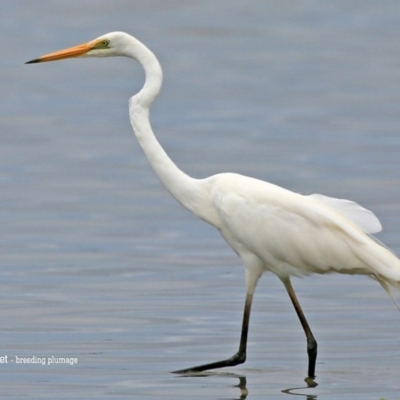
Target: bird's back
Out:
[294,234]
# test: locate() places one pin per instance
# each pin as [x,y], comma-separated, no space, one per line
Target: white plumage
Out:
[270,228]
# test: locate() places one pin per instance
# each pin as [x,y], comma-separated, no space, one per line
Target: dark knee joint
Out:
[312,346]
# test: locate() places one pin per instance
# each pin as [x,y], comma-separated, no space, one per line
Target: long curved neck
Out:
[185,189]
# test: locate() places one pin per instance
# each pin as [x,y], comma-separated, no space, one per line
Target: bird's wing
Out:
[296,235]
[352,211]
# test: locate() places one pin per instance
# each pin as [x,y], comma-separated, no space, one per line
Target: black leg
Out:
[239,357]
[311,342]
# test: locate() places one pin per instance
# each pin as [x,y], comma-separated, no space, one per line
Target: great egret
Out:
[270,228]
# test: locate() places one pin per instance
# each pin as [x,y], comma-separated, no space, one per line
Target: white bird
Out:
[270,228]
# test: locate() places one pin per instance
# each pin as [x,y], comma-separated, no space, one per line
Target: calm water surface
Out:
[98,263]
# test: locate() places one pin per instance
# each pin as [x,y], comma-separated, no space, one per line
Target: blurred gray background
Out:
[98,262]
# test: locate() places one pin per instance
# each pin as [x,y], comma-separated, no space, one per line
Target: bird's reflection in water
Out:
[294,391]
[242,385]
[244,392]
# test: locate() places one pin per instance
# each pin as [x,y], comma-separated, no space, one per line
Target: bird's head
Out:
[108,45]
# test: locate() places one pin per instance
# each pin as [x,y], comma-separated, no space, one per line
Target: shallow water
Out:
[100,264]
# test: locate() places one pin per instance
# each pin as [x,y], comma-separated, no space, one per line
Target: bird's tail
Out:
[388,285]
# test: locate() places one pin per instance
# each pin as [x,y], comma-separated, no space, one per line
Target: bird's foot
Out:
[310,381]
[238,358]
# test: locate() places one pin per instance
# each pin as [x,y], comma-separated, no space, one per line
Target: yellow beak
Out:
[71,52]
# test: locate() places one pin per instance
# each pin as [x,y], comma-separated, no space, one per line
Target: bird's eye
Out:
[102,44]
